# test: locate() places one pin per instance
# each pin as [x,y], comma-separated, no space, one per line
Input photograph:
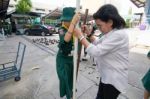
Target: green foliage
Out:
[23,6]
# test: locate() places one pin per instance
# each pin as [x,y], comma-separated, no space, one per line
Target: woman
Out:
[111,51]
[64,59]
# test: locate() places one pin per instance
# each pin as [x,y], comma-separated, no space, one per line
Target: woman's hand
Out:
[81,37]
[85,29]
[77,32]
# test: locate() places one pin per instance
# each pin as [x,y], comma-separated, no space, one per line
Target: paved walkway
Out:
[39,79]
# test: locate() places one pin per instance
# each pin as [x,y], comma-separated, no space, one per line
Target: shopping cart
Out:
[13,69]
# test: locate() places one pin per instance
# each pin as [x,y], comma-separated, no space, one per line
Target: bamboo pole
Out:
[75,54]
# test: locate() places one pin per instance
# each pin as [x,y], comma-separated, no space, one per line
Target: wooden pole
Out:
[80,50]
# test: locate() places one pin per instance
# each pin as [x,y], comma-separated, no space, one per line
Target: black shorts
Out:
[107,91]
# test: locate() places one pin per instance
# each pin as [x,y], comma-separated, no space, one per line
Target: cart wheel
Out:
[17,78]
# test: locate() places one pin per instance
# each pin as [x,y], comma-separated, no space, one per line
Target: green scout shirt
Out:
[146,81]
[148,54]
[64,65]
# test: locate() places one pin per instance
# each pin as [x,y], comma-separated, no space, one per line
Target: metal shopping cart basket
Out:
[13,69]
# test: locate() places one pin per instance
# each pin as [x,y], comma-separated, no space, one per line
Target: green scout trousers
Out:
[64,66]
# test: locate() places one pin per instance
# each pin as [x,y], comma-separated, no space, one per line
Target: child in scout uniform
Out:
[146,82]
[64,59]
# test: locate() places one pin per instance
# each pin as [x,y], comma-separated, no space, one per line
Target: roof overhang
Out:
[55,14]
[139,3]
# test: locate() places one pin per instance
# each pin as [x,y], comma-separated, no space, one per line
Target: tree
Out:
[23,6]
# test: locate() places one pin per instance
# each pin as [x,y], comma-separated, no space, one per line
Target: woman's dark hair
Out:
[109,12]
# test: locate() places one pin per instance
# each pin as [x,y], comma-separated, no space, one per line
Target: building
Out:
[122,6]
[37,7]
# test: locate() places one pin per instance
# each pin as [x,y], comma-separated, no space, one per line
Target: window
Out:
[37,9]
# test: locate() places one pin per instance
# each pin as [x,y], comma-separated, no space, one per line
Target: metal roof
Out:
[3,8]
[55,14]
[139,3]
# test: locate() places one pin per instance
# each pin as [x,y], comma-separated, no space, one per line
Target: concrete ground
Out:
[39,78]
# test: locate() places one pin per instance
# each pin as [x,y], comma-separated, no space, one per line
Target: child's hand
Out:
[76,18]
